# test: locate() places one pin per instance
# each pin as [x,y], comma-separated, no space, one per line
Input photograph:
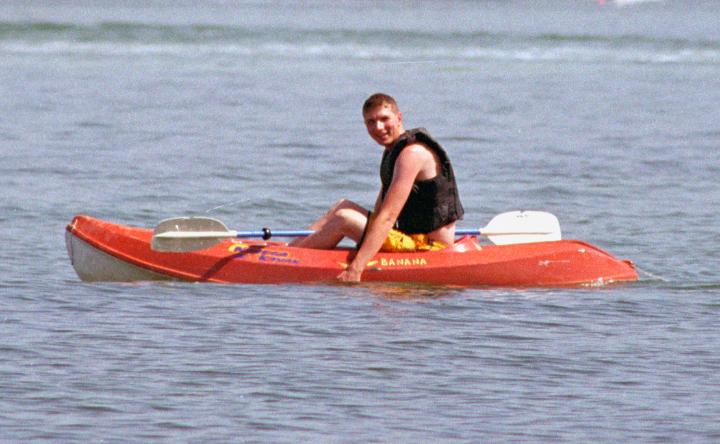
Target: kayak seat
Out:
[466,243]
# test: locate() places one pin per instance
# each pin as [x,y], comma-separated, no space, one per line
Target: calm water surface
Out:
[606,116]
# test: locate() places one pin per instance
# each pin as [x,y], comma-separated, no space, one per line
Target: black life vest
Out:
[432,203]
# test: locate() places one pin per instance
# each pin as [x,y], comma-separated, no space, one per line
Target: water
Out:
[605,115]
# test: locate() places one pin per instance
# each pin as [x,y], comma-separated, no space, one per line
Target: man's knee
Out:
[346,204]
[343,203]
[346,214]
[351,216]
[351,221]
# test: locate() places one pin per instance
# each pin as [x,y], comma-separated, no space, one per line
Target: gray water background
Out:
[606,116]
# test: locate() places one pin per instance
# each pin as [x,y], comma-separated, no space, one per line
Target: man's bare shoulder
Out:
[415,150]
[418,160]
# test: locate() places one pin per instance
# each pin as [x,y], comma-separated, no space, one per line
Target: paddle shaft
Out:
[266,233]
[196,233]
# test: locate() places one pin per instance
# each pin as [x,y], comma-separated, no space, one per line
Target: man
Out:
[418,203]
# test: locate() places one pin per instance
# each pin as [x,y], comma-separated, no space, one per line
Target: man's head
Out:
[383,119]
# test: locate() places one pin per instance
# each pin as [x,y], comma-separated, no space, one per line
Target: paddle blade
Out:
[188,234]
[522,227]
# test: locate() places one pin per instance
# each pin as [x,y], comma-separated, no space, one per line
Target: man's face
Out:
[383,124]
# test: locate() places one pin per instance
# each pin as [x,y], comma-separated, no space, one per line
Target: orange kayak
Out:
[105,251]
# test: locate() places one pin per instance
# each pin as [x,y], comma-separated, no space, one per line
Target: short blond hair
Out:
[380,99]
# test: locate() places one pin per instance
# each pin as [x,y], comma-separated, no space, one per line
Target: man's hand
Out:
[350,275]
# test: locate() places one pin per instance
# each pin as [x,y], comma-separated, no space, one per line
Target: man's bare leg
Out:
[344,219]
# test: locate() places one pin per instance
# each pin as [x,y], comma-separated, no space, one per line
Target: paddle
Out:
[196,233]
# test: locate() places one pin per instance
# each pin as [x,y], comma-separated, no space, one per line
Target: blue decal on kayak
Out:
[277,256]
[263,255]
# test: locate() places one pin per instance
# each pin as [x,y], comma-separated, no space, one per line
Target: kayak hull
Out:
[105,251]
[92,264]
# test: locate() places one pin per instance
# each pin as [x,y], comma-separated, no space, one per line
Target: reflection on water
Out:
[411,291]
